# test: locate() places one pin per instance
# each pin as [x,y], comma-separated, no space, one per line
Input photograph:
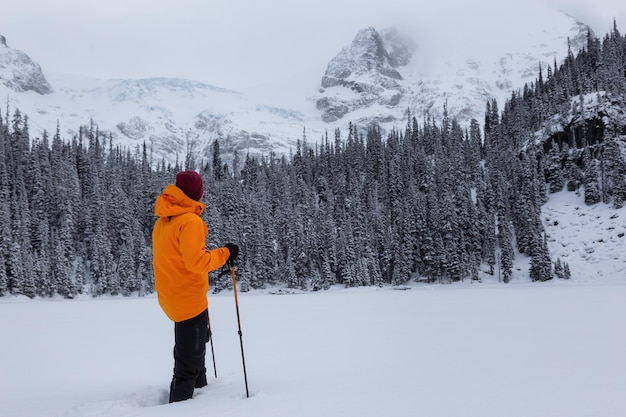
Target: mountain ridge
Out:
[375,79]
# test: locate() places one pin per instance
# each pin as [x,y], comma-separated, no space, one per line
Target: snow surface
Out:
[489,349]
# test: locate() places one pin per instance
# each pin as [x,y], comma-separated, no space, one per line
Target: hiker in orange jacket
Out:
[181,264]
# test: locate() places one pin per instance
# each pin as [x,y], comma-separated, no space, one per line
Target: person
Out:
[181,265]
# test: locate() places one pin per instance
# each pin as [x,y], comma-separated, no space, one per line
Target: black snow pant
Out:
[189,351]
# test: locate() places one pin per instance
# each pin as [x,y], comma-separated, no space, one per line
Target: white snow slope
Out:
[524,349]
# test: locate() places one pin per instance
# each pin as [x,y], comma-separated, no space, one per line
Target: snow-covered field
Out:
[522,349]
[554,349]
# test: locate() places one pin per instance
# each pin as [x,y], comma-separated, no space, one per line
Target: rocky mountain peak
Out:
[367,67]
[367,54]
[20,73]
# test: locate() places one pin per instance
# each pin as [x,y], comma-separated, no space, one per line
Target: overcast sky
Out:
[232,43]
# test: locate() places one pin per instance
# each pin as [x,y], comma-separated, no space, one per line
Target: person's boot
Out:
[181,390]
[201,380]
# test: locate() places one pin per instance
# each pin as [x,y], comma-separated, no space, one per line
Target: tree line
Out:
[431,201]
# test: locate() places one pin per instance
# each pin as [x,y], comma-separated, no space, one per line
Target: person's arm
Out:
[196,257]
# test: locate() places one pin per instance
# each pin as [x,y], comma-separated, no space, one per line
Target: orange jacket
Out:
[179,256]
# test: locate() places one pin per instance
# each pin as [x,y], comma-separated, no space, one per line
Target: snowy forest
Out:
[432,201]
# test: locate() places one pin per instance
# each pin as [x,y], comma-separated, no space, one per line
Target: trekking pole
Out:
[243,359]
[210,336]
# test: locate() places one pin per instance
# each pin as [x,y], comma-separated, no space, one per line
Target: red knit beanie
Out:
[191,184]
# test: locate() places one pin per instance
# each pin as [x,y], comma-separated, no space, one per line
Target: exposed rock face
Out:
[367,67]
[20,73]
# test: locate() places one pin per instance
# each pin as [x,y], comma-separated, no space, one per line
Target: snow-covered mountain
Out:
[376,78]
[171,115]
[19,73]
[382,74]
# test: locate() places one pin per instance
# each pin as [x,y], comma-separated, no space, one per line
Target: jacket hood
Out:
[173,202]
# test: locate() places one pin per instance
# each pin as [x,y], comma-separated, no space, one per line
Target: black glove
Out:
[234,252]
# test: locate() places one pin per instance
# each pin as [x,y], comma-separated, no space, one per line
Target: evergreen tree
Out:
[217,161]
[566,271]
[591,181]
[553,175]
[506,249]
[5,221]
[558,268]
[540,263]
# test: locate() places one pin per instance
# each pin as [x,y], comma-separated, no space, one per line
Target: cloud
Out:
[238,43]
